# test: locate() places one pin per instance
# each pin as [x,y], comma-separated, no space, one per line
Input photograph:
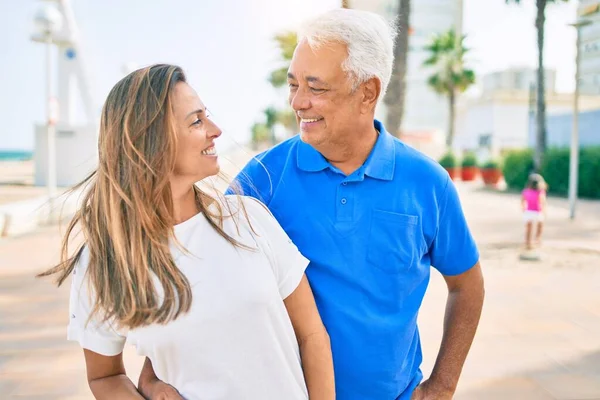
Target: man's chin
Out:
[303,137]
[311,138]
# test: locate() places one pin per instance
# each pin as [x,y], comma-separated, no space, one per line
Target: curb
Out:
[27,216]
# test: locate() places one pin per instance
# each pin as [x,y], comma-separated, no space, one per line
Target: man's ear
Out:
[371,90]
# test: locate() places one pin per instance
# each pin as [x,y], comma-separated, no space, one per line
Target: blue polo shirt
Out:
[372,238]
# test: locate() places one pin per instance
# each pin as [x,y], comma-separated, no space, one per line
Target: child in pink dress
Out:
[533,201]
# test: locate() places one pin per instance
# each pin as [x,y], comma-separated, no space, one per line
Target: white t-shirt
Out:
[237,340]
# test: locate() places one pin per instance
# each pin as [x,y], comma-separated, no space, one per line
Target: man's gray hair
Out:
[368,37]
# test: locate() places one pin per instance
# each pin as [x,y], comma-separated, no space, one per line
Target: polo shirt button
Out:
[343,201]
[344,183]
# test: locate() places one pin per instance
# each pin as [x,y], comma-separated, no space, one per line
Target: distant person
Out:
[210,290]
[533,203]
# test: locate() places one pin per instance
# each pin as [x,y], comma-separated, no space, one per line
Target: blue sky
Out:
[226,49]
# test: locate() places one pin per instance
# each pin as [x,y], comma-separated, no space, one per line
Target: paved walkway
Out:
[16,182]
[539,336]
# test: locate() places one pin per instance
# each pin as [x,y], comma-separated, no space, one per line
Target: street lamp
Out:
[48,21]
[574,156]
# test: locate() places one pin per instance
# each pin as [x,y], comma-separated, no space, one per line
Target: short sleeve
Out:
[92,334]
[287,262]
[453,250]
[254,180]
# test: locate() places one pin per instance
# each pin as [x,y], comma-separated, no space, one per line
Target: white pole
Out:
[574,155]
[80,67]
[459,18]
[51,119]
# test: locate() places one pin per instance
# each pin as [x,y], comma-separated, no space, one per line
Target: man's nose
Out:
[299,100]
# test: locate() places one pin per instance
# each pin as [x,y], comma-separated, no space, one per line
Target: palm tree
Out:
[394,98]
[265,131]
[260,134]
[450,77]
[271,116]
[287,42]
[287,118]
[540,136]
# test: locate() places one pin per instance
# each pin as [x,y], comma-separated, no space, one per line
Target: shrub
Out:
[518,164]
[589,172]
[555,170]
[448,160]
[490,164]
[469,160]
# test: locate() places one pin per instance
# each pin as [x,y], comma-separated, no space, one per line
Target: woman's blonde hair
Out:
[127,215]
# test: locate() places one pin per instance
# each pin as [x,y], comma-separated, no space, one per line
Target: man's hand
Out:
[427,391]
[159,390]
[153,388]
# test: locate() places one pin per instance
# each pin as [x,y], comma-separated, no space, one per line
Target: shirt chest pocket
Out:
[394,242]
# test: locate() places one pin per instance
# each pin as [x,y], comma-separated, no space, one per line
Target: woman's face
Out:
[196,134]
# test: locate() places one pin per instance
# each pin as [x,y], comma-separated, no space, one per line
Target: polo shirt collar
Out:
[309,159]
[379,164]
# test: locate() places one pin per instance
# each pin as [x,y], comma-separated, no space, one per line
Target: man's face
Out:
[321,94]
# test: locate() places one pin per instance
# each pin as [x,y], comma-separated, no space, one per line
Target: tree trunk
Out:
[451,117]
[345,3]
[540,135]
[395,96]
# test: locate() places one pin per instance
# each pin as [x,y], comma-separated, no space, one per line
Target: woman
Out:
[210,290]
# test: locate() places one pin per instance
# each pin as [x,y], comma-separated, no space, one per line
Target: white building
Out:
[517,79]
[75,144]
[426,113]
[499,119]
[590,47]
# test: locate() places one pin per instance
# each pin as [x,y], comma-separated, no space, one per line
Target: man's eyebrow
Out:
[312,79]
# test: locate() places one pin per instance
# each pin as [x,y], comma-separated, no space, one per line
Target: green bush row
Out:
[449,160]
[555,170]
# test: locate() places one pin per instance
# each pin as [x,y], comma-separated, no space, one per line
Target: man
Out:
[371,214]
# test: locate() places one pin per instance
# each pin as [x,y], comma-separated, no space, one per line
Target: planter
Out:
[491,176]
[468,173]
[453,172]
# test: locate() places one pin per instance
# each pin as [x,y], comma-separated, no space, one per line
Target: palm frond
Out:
[278,77]
[446,59]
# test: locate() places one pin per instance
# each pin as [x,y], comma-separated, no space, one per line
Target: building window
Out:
[485,140]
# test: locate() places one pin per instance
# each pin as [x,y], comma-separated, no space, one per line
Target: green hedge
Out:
[555,170]
[589,172]
[517,166]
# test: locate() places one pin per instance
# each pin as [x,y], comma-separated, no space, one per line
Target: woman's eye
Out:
[317,90]
[197,122]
